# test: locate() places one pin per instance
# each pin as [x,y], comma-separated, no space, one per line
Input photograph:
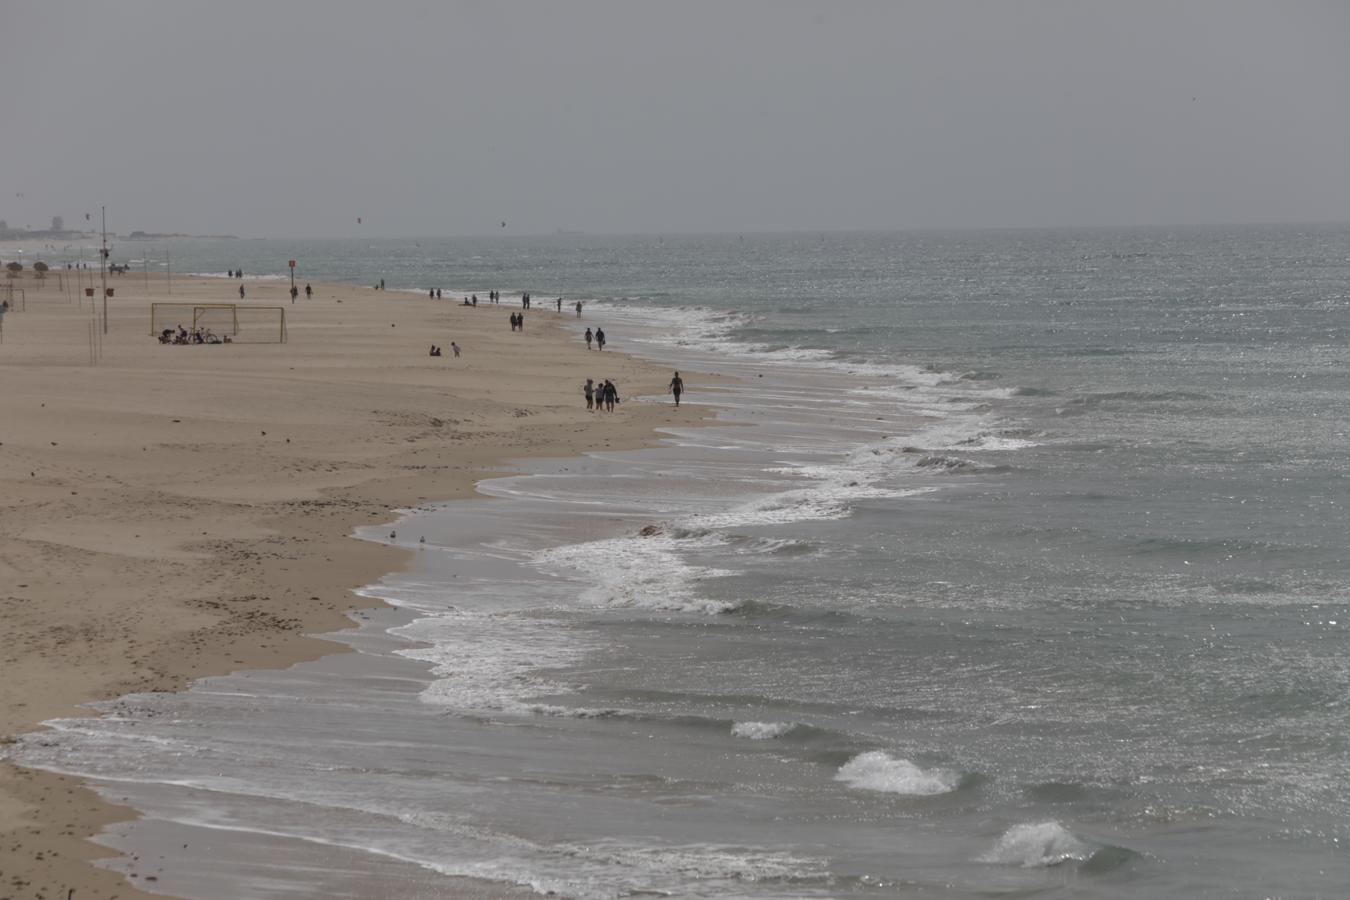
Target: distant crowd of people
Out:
[600,394]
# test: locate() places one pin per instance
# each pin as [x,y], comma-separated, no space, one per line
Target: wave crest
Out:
[878,771]
[761,731]
[1037,844]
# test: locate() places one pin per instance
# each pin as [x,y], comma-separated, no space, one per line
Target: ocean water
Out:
[1015,565]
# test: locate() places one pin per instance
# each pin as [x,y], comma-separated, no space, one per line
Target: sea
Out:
[1010,564]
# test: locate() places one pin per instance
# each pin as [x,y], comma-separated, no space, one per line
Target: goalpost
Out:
[241,324]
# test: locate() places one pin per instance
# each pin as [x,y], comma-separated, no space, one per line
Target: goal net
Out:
[241,324]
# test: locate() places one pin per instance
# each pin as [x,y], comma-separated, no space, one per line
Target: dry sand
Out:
[170,512]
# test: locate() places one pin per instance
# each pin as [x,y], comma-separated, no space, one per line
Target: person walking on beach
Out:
[295,292]
[241,292]
[611,395]
[589,337]
[589,390]
[600,338]
[381,284]
[559,304]
[309,292]
[578,309]
[454,348]
[677,387]
[513,321]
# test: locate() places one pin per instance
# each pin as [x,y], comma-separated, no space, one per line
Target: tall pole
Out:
[103,269]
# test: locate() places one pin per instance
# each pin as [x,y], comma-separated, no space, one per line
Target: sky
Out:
[293,119]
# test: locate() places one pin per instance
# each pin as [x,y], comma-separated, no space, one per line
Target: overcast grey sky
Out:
[445,118]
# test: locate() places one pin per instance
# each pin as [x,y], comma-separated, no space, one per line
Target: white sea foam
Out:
[761,731]
[636,572]
[878,771]
[490,661]
[1035,844]
[610,870]
[237,278]
[1000,442]
[692,327]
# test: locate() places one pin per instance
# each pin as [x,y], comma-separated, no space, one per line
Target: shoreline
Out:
[269,458]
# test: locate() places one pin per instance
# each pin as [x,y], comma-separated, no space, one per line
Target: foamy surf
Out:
[1037,844]
[881,772]
[761,731]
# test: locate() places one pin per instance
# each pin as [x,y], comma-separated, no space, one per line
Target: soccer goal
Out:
[239,323]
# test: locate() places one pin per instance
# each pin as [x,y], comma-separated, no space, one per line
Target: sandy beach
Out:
[172,512]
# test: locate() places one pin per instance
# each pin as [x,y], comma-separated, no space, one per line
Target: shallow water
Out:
[1015,568]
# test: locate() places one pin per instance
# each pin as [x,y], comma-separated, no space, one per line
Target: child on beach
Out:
[589,390]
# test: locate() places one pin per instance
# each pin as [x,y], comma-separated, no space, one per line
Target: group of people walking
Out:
[600,396]
[604,395]
[598,337]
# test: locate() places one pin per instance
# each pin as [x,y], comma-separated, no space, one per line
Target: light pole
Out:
[103,269]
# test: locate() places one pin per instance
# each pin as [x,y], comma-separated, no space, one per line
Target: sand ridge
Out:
[169,512]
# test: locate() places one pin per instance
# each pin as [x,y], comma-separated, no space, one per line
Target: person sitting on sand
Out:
[435,351]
